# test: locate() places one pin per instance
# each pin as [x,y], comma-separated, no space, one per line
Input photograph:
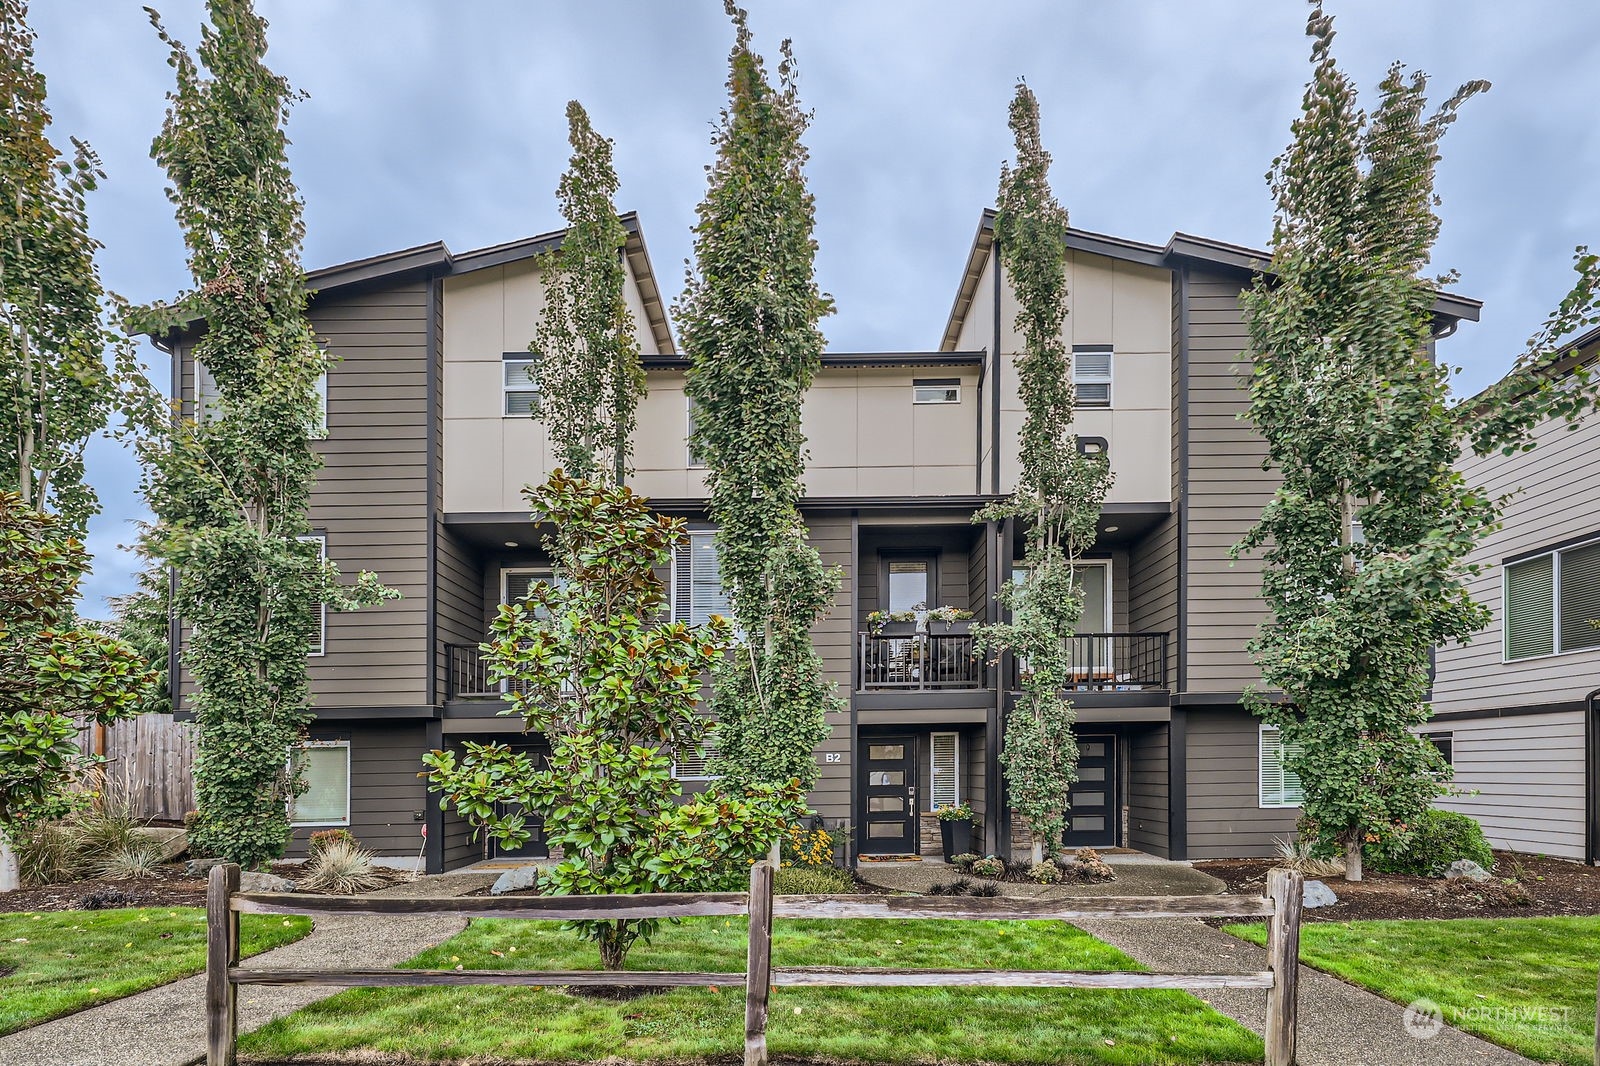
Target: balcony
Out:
[896,658]
[467,675]
[1113,662]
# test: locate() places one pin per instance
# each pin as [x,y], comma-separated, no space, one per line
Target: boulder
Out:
[168,842]
[523,877]
[199,867]
[1466,868]
[255,881]
[1318,894]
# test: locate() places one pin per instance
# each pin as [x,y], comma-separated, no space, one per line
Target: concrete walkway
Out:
[1340,1024]
[166,1026]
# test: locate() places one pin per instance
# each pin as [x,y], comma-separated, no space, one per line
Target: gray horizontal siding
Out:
[834,638]
[1226,819]
[1148,816]
[1526,776]
[385,792]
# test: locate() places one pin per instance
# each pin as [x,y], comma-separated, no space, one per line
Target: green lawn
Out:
[1525,983]
[64,961]
[873,1025]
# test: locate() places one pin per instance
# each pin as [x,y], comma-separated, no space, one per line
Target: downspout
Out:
[994,384]
[174,623]
[1591,765]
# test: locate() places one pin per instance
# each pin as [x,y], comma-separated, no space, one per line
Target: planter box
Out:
[957,838]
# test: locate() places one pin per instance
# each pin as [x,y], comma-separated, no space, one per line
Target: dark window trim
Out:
[900,555]
[1534,553]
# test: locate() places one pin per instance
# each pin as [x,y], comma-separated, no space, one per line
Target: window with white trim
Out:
[519,385]
[935,391]
[319,431]
[1091,374]
[324,768]
[1280,786]
[697,592]
[693,765]
[319,642]
[207,397]
[1552,601]
[945,769]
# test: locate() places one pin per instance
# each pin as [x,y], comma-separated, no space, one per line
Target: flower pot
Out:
[957,838]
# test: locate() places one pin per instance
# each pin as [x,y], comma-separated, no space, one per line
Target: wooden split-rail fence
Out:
[1281,907]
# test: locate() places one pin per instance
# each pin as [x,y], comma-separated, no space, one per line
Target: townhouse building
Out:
[1515,710]
[428,444]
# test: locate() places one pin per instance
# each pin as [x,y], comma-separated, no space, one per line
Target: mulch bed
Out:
[1554,887]
[168,888]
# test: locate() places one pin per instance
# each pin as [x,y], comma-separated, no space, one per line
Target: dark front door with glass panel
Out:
[1092,818]
[888,790]
[535,847]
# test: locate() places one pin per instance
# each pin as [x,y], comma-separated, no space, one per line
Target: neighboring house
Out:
[428,446]
[1515,710]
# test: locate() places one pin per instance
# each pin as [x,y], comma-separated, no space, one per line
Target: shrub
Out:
[104,899]
[812,881]
[985,890]
[810,848]
[130,863]
[1045,873]
[964,861]
[342,868]
[1438,839]
[49,855]
[1091,867]
[1302,854]
[322,838]
[989,866]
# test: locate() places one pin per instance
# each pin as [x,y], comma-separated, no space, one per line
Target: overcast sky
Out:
[443,119]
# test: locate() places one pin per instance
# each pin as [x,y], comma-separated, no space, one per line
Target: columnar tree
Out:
[588,370]
[1364,541]
[589,663]
[1058,494]
[230,488]
[749,316]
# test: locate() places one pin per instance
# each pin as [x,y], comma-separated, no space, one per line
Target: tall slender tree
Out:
[588,370]
[1058,494]
[230,488]
[749,315]
[1365,540]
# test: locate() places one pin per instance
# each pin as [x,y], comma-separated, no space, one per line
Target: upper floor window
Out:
[208,397]
[1280,786]
[1091,374]
[695,460]
[519,383]
[936,391]
[1552,602]
[697,592]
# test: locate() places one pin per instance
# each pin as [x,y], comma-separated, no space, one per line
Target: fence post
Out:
[758,967]
[222,953]
[1286,888]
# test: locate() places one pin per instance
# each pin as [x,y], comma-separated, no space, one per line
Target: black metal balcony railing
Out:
[907,660]
[467,675]
[1113,662]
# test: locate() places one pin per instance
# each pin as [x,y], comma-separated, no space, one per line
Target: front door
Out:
[888,791]
[535,846]
[1094,812]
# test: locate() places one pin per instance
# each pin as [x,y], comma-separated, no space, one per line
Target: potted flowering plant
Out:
[955,826]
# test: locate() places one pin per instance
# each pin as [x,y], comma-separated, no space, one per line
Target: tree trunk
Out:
[1352,858]
[615,940]
[10,872]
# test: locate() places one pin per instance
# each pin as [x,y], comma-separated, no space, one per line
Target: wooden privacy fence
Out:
[1281,907]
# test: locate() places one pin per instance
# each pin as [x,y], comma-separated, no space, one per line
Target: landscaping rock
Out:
[168,841]
[1318,894]
[1466,868]
[199,867]
[255,881]
[523,877]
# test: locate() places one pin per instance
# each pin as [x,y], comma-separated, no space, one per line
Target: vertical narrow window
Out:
[319,641]
[1530,607]
[207,396]
[1091,374]
[697,580]
[945,769]
[695,460]
[1280,786]
[319,428]
[324,766]
[519,384]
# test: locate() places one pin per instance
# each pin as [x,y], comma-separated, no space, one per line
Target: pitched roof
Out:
[1183,247]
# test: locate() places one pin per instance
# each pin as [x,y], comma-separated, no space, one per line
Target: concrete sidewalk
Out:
[166,1026]
[1340,1024]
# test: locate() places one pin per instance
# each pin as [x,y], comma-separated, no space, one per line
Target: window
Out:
[324,767]
[1091,374]
[697,581]
[519,383]
[694,459]
[1551,602]
[1280,786]
[909,584]
[946,769]
[940,391]
[207,397]
[1445,742]
[319,642]
[319,431]
[692,765]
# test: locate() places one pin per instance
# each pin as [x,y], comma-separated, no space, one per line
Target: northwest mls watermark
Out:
[1424,1018]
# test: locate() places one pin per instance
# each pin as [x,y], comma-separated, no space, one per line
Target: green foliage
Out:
[231,489]
[54,674]
[1365,539]
[812,881]
[142,620]
[57,387]
[749,321]
[1058,493]
[616,691]
[1428,847]
[815,848]
[988,866]
[953,812]
[589,374]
